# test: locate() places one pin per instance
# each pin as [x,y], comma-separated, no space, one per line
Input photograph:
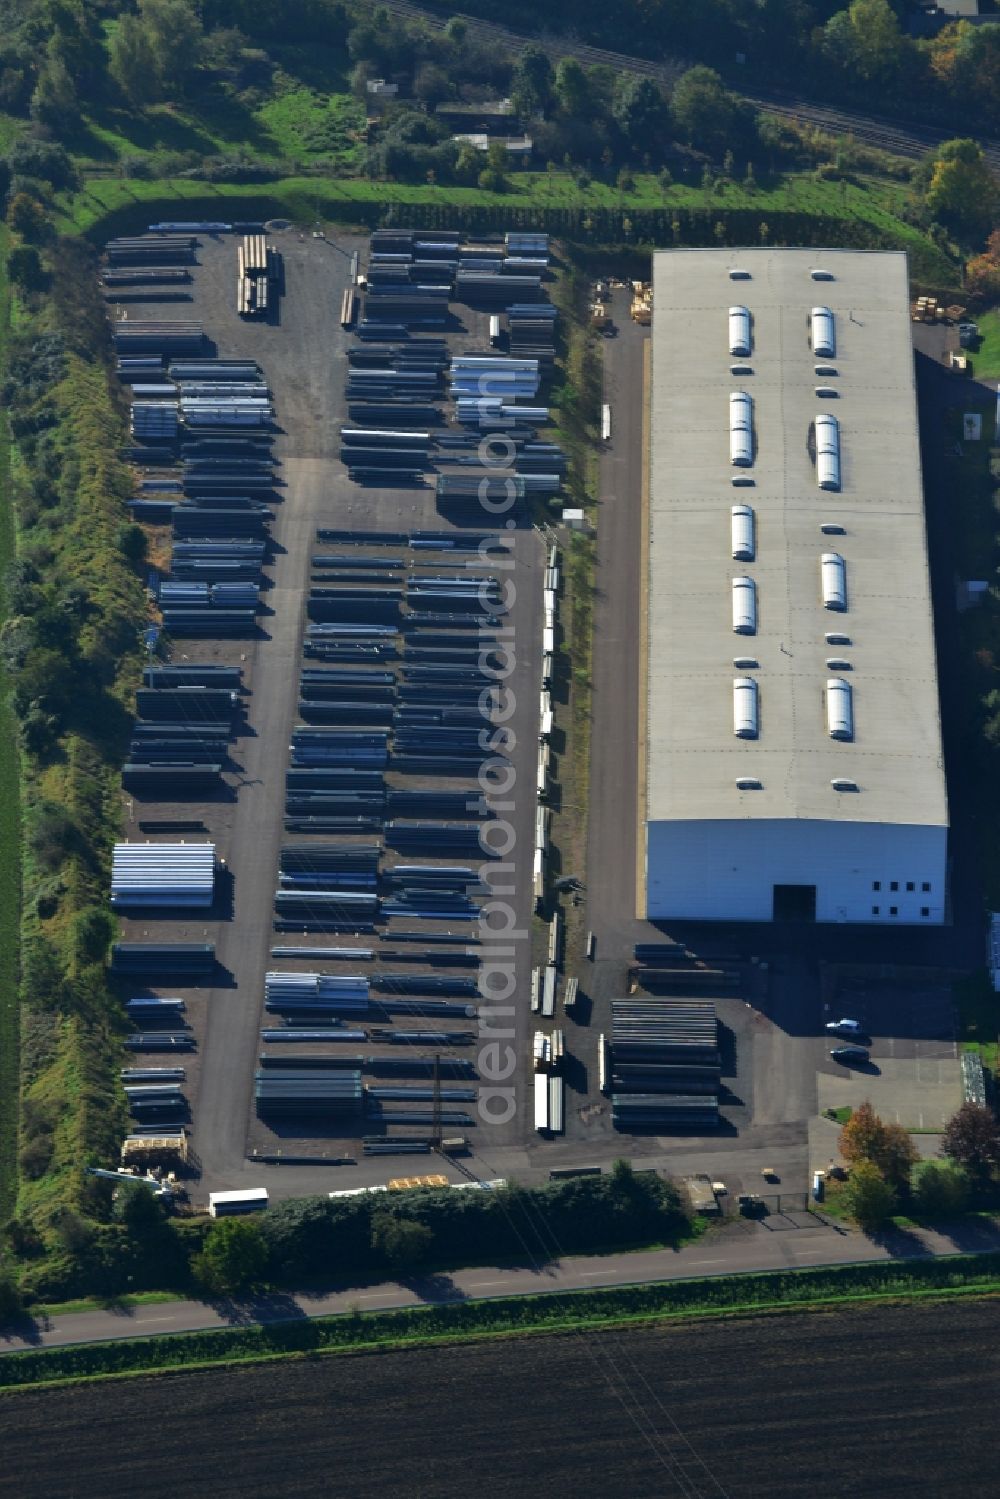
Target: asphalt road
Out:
[791,1241]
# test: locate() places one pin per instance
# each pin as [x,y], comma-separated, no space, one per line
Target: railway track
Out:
[893,137]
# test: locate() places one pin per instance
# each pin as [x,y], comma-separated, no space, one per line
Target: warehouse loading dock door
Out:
[794,903]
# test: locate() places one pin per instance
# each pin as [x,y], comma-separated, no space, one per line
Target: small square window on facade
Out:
[925,887]
[876,884]
[910,885]
[893,910]
[876,910]
[893,884]
[925,910]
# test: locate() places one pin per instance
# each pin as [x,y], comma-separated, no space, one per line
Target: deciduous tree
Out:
[867,1196]
[972,1137]
[866,1137]
[940,1189]
[403,1241]
[962,191]
[132,62]
[234,1258]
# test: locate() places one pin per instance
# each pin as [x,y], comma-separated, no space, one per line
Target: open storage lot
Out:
[301,349]
[875,1401]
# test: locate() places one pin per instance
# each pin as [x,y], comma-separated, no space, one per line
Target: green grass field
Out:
[305,125]
[986,359]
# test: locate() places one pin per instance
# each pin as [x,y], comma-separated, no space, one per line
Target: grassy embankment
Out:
[70,491]
[725,1296]
[10,825]
[796,208]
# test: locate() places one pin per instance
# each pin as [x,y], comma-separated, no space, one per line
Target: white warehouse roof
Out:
[693,758]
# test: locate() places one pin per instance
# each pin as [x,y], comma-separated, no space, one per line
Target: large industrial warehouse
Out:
[792,745]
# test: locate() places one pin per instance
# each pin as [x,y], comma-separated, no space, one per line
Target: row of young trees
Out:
[315,1239]
[886,1172]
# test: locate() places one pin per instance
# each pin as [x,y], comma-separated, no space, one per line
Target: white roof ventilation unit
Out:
[737,273]
[833,579]
[741,429]
[746,663]
[744,606]
[818,274]
[748,783]
[839,709]
[745,705]
[824,343]
[841,783]
[739,332]
[743,533]
[827,451]
[834,637]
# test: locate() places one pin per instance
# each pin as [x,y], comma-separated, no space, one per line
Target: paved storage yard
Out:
[301,349]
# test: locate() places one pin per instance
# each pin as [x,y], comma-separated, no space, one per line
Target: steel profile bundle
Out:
[159,1041]
[296,1035]
[526,242]
[484,542]
[312,858]
[193,674]
[202,522]
[302,993]
[340,748]
[421,1066]
[146,1006]
[146,275]
[213,623]
[138,336]
[173,959]
[636,1111]
[169,780]
[214,369]
[337,910]
[664,1030]
[422,986]
[152,1074]
[308,1092]
[307,1059]
[187,704]
[417,803]
[438,838]
[424,1037]
[172,250]
[172,875]
[157,421]
[666,1078]
[192,751]
[496,288]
